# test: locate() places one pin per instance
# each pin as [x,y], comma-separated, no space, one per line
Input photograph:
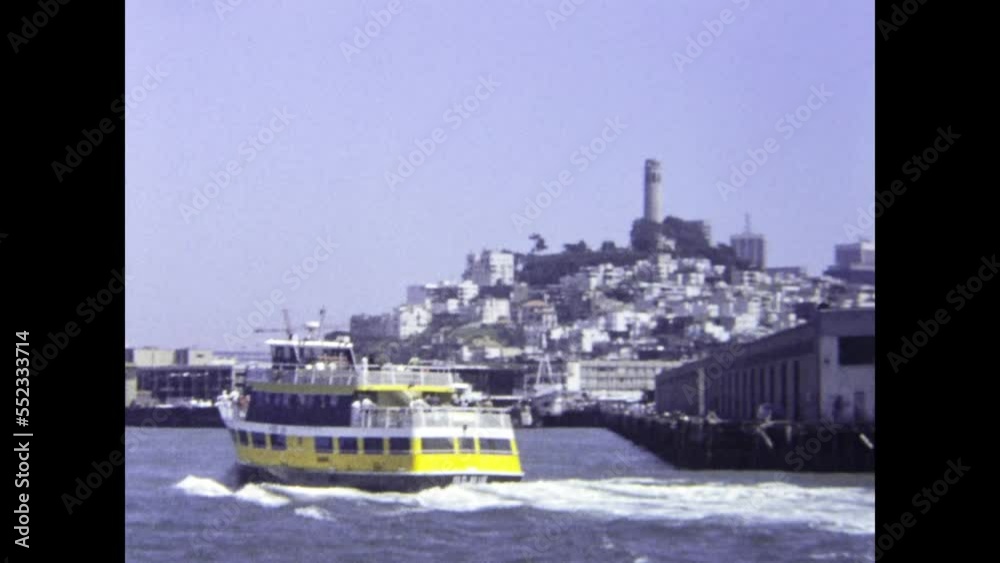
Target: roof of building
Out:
[856,321]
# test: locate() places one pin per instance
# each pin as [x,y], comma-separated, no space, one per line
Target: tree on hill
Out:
[540,245]
[540,270]
[689,238]
[688,234]
[644,235]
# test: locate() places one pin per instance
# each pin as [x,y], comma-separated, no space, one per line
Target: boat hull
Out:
[375,482]
[377,459]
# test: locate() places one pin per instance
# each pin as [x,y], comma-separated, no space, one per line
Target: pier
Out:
[710,443]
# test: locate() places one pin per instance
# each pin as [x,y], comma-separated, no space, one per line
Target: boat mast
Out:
[288,323]
[319,328]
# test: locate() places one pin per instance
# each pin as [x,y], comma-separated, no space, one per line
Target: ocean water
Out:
[588,495]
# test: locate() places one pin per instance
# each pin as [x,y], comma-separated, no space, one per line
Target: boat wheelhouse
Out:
[315,417]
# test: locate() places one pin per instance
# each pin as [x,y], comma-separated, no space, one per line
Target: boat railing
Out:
[406,377]
[232,406]
[437,417]
[322,375]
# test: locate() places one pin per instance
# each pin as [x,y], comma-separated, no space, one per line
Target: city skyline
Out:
[332,130]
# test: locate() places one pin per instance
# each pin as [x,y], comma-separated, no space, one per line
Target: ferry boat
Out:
[315,417]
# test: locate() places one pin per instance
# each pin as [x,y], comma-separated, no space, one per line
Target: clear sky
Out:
[310,117]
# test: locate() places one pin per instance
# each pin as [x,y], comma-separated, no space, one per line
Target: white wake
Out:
[848,510]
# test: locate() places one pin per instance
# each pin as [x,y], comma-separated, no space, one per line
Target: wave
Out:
[258,495]
[451,499]
[839,556]
[210,488]
[848,510]
[202,487]
[314,512]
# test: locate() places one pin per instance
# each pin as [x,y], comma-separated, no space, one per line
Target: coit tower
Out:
[653,202]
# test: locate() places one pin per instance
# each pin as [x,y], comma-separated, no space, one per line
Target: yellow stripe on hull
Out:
[300,453]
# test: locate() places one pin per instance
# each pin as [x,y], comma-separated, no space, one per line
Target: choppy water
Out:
[589,495]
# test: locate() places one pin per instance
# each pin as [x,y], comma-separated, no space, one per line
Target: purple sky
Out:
[196,273]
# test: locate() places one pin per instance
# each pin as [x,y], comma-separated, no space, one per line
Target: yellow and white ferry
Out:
[315,417]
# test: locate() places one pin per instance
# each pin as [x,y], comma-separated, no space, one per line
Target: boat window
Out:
[324,445]
[399,445]
[278,442]
[308,355]
[374,446]
[438,445]
[259,439]
[467,445]
[299,409]
[244,438]
[348,445]
[284,354]
[494,445]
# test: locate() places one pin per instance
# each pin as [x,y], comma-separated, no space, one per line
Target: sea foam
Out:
[848,510]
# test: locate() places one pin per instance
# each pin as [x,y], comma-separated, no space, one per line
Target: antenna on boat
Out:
[319,328]
[288,323]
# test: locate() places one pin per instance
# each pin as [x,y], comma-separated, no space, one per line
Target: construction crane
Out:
[314,328]
[288,326]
